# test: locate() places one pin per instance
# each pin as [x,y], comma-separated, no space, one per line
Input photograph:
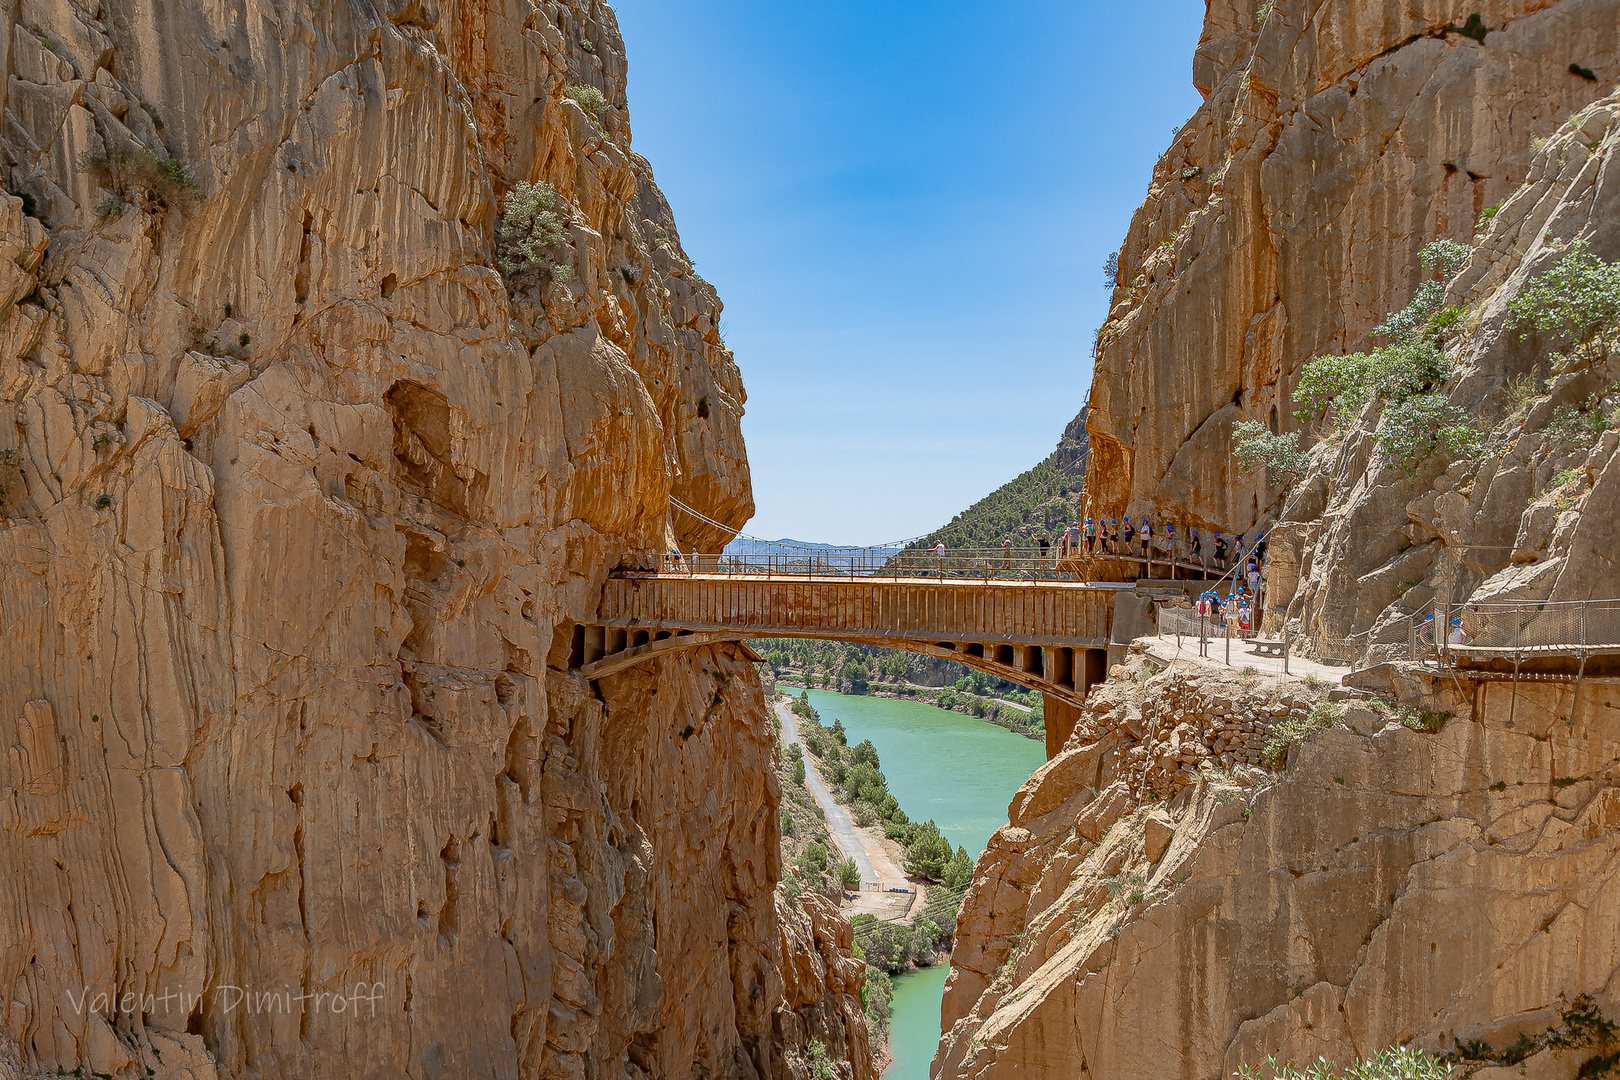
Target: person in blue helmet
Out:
[1129,533]
[1220,552]
[1147,539]
[1196,549]
[1091,536]
[1113,536]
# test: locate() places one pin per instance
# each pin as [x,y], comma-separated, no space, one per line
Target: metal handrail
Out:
[986,564]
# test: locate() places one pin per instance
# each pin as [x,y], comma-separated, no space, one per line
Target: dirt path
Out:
[877,858]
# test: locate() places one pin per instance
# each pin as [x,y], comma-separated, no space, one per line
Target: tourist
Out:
[1457,636]
[1147,539]
[1072,538]
[1196,551]
[1220,552]
[1113,536]
[1170,541]
[1130,535]
[1006,552]
[939,556]
[1044,544]
[1254,578]
[1091,536]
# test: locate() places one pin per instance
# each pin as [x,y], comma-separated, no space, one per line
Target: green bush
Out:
[820,1064]
[1395,1063]
[1295,729]
[530,231]
[141,174]
[1416,420]
[798,770]
[588,98]
[849,875]
[813,859]
[1578,301]
[1281,456]
[1581,426]
[1417,428]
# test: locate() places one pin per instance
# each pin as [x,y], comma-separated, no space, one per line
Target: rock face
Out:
[303,499]
[1284,221]
[1393,886]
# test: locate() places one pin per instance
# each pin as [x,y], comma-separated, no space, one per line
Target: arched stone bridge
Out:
[1051,636]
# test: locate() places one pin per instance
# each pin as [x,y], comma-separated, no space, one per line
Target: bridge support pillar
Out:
[1060,720]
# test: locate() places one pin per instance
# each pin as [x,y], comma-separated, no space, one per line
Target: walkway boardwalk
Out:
[1048,635]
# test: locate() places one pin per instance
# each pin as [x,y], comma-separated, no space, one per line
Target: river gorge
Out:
[959,771]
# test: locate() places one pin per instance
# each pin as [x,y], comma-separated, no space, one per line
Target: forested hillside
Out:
[1046,497]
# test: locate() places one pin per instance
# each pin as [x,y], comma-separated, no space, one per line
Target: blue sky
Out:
[905,207]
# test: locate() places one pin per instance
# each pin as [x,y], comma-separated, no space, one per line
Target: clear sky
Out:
[905,206]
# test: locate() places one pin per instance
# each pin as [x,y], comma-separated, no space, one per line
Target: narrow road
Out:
[838,819]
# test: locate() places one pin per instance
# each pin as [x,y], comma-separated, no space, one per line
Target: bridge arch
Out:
[1049,636]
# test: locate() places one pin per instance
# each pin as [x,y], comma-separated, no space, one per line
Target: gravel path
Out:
[838,819]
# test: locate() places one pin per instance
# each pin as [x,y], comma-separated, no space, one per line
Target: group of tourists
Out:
[1120,536]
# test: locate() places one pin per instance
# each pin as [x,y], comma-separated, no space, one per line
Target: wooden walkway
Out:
[1050,636]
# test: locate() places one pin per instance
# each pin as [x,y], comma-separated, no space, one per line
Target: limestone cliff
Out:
[303,498]
[1458,890]
[1284,221]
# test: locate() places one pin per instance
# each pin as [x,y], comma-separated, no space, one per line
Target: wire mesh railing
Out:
[985,564]
[1529,627]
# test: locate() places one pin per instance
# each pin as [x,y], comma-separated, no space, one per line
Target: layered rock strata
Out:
[303,500]
[1391,885]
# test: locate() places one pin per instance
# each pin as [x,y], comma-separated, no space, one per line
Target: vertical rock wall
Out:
[1335,139]
[302,500]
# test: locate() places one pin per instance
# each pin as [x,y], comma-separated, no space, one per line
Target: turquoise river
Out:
[962,773]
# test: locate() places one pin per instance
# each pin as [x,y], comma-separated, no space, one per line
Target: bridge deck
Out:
[1047,613]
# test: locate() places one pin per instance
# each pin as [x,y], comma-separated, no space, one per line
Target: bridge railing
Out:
[984,564]
[1530,628]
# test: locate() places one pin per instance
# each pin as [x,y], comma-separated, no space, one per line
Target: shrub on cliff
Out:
[1578,301]
[1402,377]
[1254,445]
[1395,1063]
[139,175]
[530,231]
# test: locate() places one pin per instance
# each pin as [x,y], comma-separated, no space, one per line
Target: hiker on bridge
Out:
[1254,578]
[1044,543]
[1130,536]
[1091,536]
[1220,552]
[1006,552]
[939,556]
[1197,550]
[1072,538]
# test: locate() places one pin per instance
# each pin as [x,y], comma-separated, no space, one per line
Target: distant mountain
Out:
[746,546]
[1046,497]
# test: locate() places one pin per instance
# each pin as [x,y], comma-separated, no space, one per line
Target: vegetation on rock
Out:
[1402,378]
[530,231]
[139,175]
[1395,1063]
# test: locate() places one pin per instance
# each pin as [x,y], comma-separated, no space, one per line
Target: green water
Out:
[962,773]
[914,1025]
[957,770]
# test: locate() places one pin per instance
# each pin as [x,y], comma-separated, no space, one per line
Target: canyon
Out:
[348,350]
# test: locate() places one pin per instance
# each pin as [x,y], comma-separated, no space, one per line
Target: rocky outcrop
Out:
[1454,890]
[1285,219]
[303,499]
